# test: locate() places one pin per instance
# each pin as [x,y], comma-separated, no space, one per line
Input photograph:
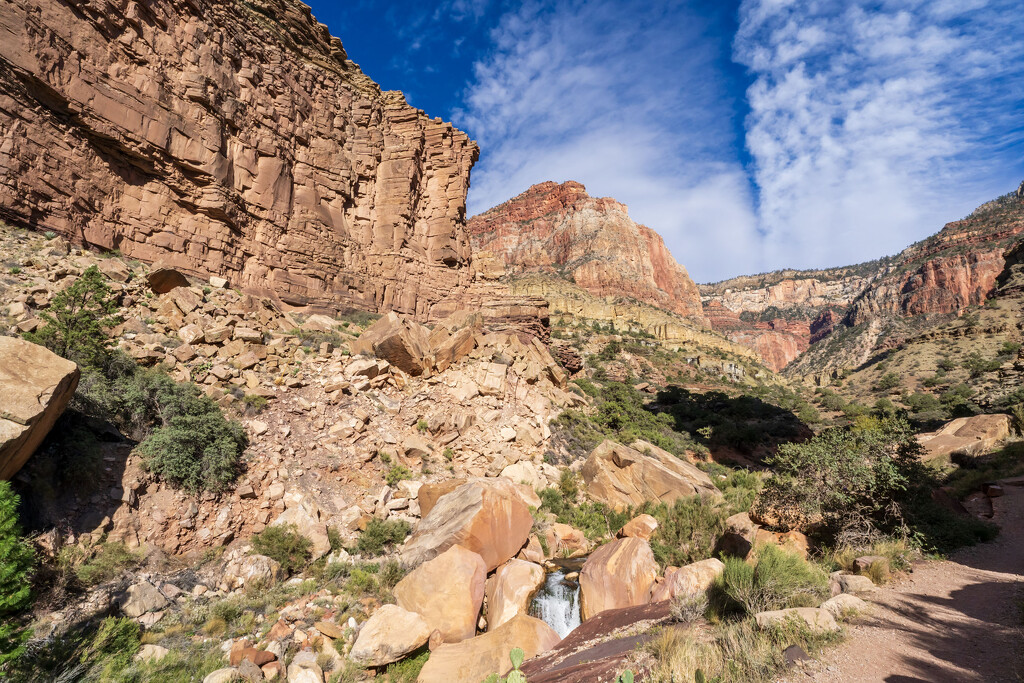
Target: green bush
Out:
[17,560]
[105,562]
[76,318]
[284,543]
[396,474]
[688,530]
[112,648]
[888,381]
[777,580]
[976,365]
[382,534]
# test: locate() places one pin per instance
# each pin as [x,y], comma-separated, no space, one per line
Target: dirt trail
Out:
[956,620]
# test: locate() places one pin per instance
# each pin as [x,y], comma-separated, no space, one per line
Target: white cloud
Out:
[624,98]
[872,125]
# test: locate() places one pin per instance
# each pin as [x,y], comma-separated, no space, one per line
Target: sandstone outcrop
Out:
[618,574]
[689,580]
[559,228]
[510,590]
[388,635]
[236,140]
[974,435]
[488,518]
[473,660]
[447,592]
[36,385]
[623,476]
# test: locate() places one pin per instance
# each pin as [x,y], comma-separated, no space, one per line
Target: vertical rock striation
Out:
[230,138]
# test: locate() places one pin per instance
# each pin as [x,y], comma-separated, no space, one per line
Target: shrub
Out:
[976,365]
[407,670]
[568,484]
[688,530]
[779,579]
[888,381]
[76,318]
[381,534]
[107,561]
[396,474]
[255,402]
[284,543]
[112,648]
[687,609]
[16,562]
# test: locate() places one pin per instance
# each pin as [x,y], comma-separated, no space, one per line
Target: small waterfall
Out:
[557,603]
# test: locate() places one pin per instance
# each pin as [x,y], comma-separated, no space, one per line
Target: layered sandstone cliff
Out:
[559,229]
[234,139]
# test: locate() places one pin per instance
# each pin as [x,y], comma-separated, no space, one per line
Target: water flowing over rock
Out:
[557,603]
[236,140]
[36,385]
[559,228]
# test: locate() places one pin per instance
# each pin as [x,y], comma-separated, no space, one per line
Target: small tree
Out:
[16,561]
[76,320]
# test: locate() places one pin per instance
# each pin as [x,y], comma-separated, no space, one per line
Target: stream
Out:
[557,602]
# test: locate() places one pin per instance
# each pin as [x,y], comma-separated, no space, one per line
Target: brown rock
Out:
[532,551]
[621,477]
[689,580]
[447,591]
[473,660]
[618,574]
[510,590]
[563,540]
[388,635]
[398,340]
[641,526]
[485,516]
[975,435]
[162,280]
[36,385]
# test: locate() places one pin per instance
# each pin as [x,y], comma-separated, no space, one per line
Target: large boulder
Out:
[689,580]
[618,574]
[510,590]
[487,517]
[388,635]
[974,435]
[36,385]
[399,340]
[473,660]
[428,494]
[242,570]
[447,592]
[141,598]
[622,476]
[305,516]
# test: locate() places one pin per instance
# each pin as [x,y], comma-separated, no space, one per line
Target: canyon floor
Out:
[958,620]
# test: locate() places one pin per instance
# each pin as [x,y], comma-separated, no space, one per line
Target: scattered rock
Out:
[151,653]
[842,582]
[141,598]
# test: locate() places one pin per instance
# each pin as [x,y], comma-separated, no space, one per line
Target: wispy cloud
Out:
[870,123]
[874,123]
[626,98]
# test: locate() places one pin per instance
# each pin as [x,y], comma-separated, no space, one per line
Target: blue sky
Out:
[752,134]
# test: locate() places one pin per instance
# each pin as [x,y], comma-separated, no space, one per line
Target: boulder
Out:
[689,580]
[473,660]
[485,516]
[621,477]
[843,604]
[814,618]
[841,582]
[738,537]
[141,598]
[162,279]
[525,472]
[447,591]
[399,340]
[565,541]
[388,635]
[452,349]
[510,590]
[151,653]
[306,519]
[36,385]
[618,574]
[225,675]
[248,570]
[532,551]
[641,526]
[975,435]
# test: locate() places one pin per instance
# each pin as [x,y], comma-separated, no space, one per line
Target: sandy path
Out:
[956,620]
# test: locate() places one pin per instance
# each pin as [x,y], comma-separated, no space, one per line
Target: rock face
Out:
[510,589]
[36,385]
[974,435]
[622,476]
[618,574]
[232,139]
[488,518]
[388,635]
[447,592]
[473,660]
[560,228]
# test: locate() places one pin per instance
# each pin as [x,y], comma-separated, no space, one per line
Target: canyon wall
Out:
[559,229]
[234,139]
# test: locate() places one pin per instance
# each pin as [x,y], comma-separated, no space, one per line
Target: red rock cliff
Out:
[234,139]
[559,228]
